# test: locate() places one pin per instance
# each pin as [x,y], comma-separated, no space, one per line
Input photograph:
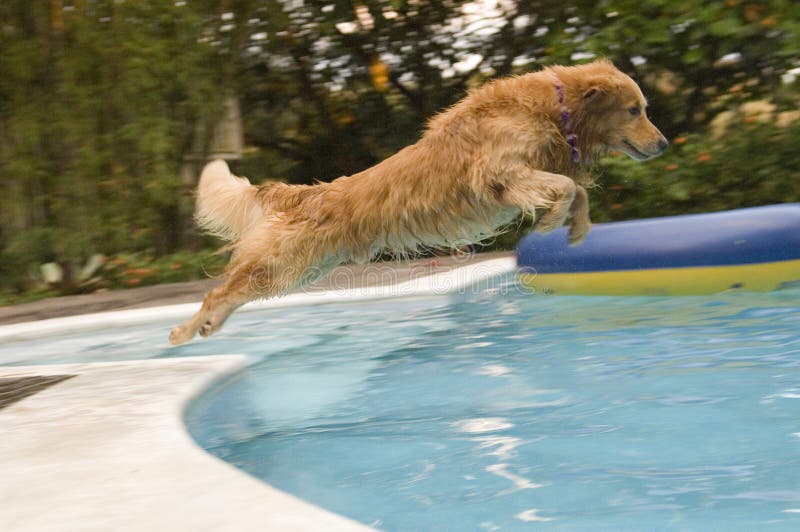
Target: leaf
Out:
[725,27]
[693,56]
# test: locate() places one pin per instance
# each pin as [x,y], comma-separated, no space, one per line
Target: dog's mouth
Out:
[634,152]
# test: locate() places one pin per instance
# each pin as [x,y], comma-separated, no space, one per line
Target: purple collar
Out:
[572,138]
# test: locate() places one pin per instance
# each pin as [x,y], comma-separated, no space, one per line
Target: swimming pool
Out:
[505,410]
[501,410]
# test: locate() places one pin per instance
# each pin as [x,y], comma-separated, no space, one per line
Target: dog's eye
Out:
[634,111]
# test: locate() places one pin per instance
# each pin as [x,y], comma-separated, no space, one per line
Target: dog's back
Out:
[228,206]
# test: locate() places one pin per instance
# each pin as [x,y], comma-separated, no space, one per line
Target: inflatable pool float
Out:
[754,249]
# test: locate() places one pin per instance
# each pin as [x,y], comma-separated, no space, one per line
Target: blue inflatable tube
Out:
[744,249]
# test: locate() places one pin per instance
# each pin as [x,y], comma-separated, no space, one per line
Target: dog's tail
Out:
[227,205]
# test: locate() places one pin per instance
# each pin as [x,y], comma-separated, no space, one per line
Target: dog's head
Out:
[614,111]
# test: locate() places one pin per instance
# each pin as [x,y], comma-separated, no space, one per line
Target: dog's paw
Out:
[180,335]
[208,328]
[577,233]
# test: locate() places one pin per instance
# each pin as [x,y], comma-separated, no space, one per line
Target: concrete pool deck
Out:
[107,449]
[190,292]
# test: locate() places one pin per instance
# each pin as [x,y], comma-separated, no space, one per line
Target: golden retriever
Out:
[513,145]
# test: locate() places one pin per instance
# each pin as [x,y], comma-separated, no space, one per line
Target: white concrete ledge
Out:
[451,281]
[108,450]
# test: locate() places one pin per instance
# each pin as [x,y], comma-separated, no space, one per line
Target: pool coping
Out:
[451,281]
[108,448]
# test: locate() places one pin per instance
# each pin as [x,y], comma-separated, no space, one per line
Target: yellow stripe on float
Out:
[763,276]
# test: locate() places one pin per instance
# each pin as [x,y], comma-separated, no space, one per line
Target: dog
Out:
[511,146]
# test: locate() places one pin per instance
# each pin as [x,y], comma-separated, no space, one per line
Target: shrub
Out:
[752,163]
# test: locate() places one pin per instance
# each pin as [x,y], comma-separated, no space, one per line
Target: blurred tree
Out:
[99,103]
[312,67]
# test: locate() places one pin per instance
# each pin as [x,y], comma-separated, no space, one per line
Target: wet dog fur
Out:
[501,151]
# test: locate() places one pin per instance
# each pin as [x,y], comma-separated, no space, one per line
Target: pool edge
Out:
[435,284]
[109,449]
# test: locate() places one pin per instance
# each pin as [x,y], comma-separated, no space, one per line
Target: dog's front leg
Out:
[534,189]
[579,221]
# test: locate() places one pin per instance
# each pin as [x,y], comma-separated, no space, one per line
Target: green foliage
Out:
[98,107]
[124,270]
[753,163]
[128,270]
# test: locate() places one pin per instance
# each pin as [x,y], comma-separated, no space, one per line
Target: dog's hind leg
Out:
[255,280]
[262,269]
[217,305]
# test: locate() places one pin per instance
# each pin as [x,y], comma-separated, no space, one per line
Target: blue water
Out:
[512,411]
[505,411]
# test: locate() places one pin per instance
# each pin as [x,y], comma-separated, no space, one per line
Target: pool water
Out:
[503,411]
[500,410]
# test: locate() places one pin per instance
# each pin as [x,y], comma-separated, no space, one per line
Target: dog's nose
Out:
[662,144]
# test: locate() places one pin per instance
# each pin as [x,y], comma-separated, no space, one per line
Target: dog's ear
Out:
[592,93]
[599,90]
